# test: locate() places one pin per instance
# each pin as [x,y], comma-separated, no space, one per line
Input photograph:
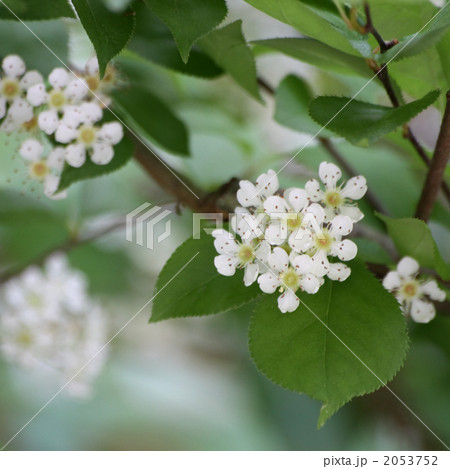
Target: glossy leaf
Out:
[347,341]
[108,31]
[228,49]
[189,20]
[123,152]
[194,287]
[364,123]
[412,237]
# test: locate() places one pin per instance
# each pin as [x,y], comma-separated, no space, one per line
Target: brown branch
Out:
[382,74]
[437,167]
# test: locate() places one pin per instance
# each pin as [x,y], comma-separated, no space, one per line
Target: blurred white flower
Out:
[49,322]
[413,294]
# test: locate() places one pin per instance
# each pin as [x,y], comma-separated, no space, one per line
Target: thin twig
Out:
[436,171]
[370,28]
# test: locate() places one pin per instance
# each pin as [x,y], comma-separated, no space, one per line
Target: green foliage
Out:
[153,41]
[189,20]
[152,119]
[292,100]
[31,10]
[228,49]
[364,123]
[316,355]
[122,154]
[412,237]
[194,287]
[108,31]
[318,54]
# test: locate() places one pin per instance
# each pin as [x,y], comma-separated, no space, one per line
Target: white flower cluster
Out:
[413,294]
[49,323]
[285,241]
[68,110]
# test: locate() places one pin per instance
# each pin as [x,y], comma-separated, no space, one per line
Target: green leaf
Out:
[108,31]
[303,18]
[318,54]
[189,20]
[292,100]
[442,48]
[412,237]
[32,10]
[194,287]
[122,154]
[151,117]
[305,353]
[228,49]
[364,123]
[153,41]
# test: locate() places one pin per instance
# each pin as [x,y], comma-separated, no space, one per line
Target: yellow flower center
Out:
[333,199]
[323,241]
[10,89]
[57,99]
[87,135]
[25,338]
[410,289]
[93,82]
[31,124]
[246,254]
[290,279]
[294,222]
[39,170]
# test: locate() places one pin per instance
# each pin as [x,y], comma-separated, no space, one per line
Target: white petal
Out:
[321,265]
[21,111]
[346,250]
[312,188]
[422,311]
[267,184]
[338,271]
[225,265]
[317,211]
[276,233]
[8,125]
[262,251]
[30,79]
[351,211]
[250,274]
[300,240]
[112,132]
[13,66]
[329,173]
[310,283]
[73,116]
[278,260]
[247,194]
[91,112]
[302,264]
[297,198]
[65,134]
[407,267]
[288,302]
[31,149]
[76,155]
[76,89]
[341,225]
[275,204]
[51,184]
[59,77]
[355,188]
[431,289]
[268,282]
[48,121]
[225,244]
[392,281]
[91,66]
[102,153]
[56,158]
[2,107]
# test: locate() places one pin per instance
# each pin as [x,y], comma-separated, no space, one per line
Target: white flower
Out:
[45,170]
[327,242]
[253,195]
[66,91]
[291,273]
[13,87]
[99,88]
[249,255]
[95,140]
[48,322]
[413,294]
[337,199]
